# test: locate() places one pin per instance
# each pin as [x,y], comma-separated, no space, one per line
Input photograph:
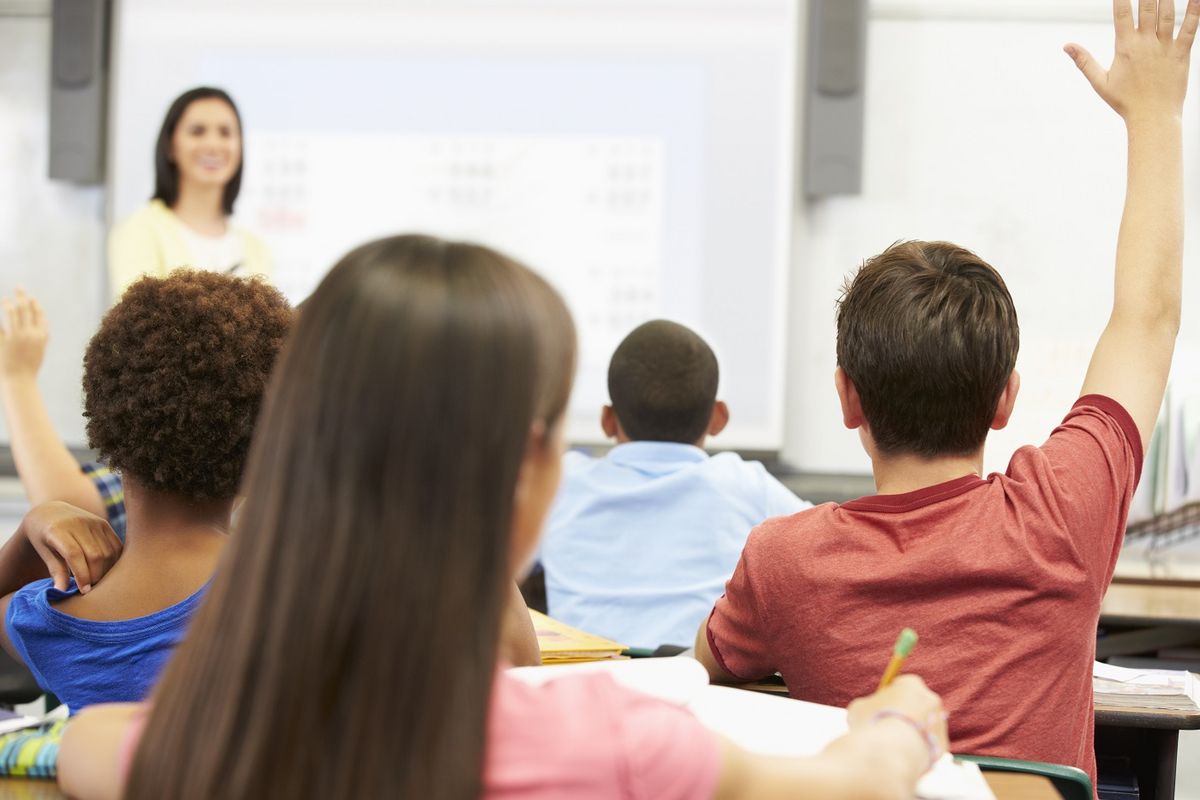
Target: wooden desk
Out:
[1005,785]
[1146,601]
[29,789]
[1017,786]
[1150,740]
[1141,615]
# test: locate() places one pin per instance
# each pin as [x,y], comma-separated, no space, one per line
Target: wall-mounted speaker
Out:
[78,89]
[834,97]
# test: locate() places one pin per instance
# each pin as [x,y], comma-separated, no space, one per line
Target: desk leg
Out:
[1153,754]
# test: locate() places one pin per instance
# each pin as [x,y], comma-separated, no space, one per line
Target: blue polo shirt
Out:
[639,544]
[87,661]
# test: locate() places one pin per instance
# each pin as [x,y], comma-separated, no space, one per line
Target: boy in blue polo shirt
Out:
[639,543]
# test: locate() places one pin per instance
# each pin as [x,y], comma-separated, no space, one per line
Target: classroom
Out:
[761,341]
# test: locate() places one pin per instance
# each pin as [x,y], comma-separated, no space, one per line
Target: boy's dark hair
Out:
[173,379]
[927,333]
[166,173]
[663,383]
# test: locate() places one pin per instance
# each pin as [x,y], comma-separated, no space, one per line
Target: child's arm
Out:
[704,654]
[46,468]
[882,758]
[96,748]
[1145,85]
[58,541]
[518,640]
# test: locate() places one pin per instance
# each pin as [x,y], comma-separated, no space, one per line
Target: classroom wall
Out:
[978,130]
[51,232]
[981,131]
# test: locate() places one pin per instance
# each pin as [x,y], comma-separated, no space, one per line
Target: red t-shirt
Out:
[1002,579]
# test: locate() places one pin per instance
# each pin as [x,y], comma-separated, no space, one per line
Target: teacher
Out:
[197,176]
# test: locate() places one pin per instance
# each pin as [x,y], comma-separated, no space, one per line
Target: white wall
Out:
[980,130]
[51,233]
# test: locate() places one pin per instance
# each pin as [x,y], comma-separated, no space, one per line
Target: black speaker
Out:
[79,37]
[834,97]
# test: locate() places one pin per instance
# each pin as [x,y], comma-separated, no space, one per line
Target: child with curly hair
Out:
[172,384]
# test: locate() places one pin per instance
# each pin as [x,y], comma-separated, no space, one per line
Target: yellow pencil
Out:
[904,645]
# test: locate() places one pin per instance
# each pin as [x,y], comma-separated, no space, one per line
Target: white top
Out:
[224,253]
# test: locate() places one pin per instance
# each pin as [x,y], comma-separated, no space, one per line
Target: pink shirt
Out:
[1001,577]
[583,737]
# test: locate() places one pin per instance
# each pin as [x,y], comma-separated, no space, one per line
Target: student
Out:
[1002,576]
[172,384]
[45,466]
[197,177]
[639,543]
[408,452]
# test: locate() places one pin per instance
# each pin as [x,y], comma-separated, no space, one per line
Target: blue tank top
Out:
[84,661]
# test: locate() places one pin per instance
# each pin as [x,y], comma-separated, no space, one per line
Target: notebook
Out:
[1149,689]
[562,644]
[760,723]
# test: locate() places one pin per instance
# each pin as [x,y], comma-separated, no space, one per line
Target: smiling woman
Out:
[198,173]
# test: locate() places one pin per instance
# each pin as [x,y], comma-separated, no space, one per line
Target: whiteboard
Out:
[639,156]
[51,233]
[980,130]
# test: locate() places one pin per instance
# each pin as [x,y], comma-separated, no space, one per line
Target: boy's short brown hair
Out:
[174,378]
[927,333]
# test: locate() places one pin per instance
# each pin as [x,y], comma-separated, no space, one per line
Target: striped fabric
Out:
[112,491]
[33,752]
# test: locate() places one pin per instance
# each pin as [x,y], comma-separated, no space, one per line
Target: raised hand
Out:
[23,337]
[1149,73]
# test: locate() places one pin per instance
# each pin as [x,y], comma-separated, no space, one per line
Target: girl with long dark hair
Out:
[409,448]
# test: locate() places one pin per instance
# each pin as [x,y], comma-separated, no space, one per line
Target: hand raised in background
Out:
[1149,73]
[23,337]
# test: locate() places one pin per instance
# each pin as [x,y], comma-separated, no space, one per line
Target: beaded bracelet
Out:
[931,741]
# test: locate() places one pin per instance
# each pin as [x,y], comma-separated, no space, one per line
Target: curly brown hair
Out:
[174,378]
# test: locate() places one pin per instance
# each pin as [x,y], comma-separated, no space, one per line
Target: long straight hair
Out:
[348,644]
[166,171]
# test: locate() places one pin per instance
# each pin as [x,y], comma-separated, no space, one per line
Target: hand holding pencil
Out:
[905,698]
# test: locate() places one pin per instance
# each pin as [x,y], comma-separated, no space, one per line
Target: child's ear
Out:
[852,415]
[608,422]
[719,418]
[1008,398]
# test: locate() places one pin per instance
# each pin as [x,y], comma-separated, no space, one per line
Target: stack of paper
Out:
[562,644]
[760,723]
[1150,689]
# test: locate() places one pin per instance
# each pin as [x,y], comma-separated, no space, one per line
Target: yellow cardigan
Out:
[149,242]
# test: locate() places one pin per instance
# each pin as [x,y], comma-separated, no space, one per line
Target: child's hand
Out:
[23,337]
[71,541]
[1149,73]
[909,698]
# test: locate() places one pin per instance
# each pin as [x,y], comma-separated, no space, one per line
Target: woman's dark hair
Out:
[166,173]
[174,378]
[348,644]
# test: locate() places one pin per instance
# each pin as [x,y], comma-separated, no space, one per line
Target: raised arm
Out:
[1146,85]
[46,468]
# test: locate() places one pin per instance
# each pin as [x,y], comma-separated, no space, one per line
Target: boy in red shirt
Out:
[1001,576]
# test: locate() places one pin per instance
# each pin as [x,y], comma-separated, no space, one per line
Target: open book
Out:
[760,723]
